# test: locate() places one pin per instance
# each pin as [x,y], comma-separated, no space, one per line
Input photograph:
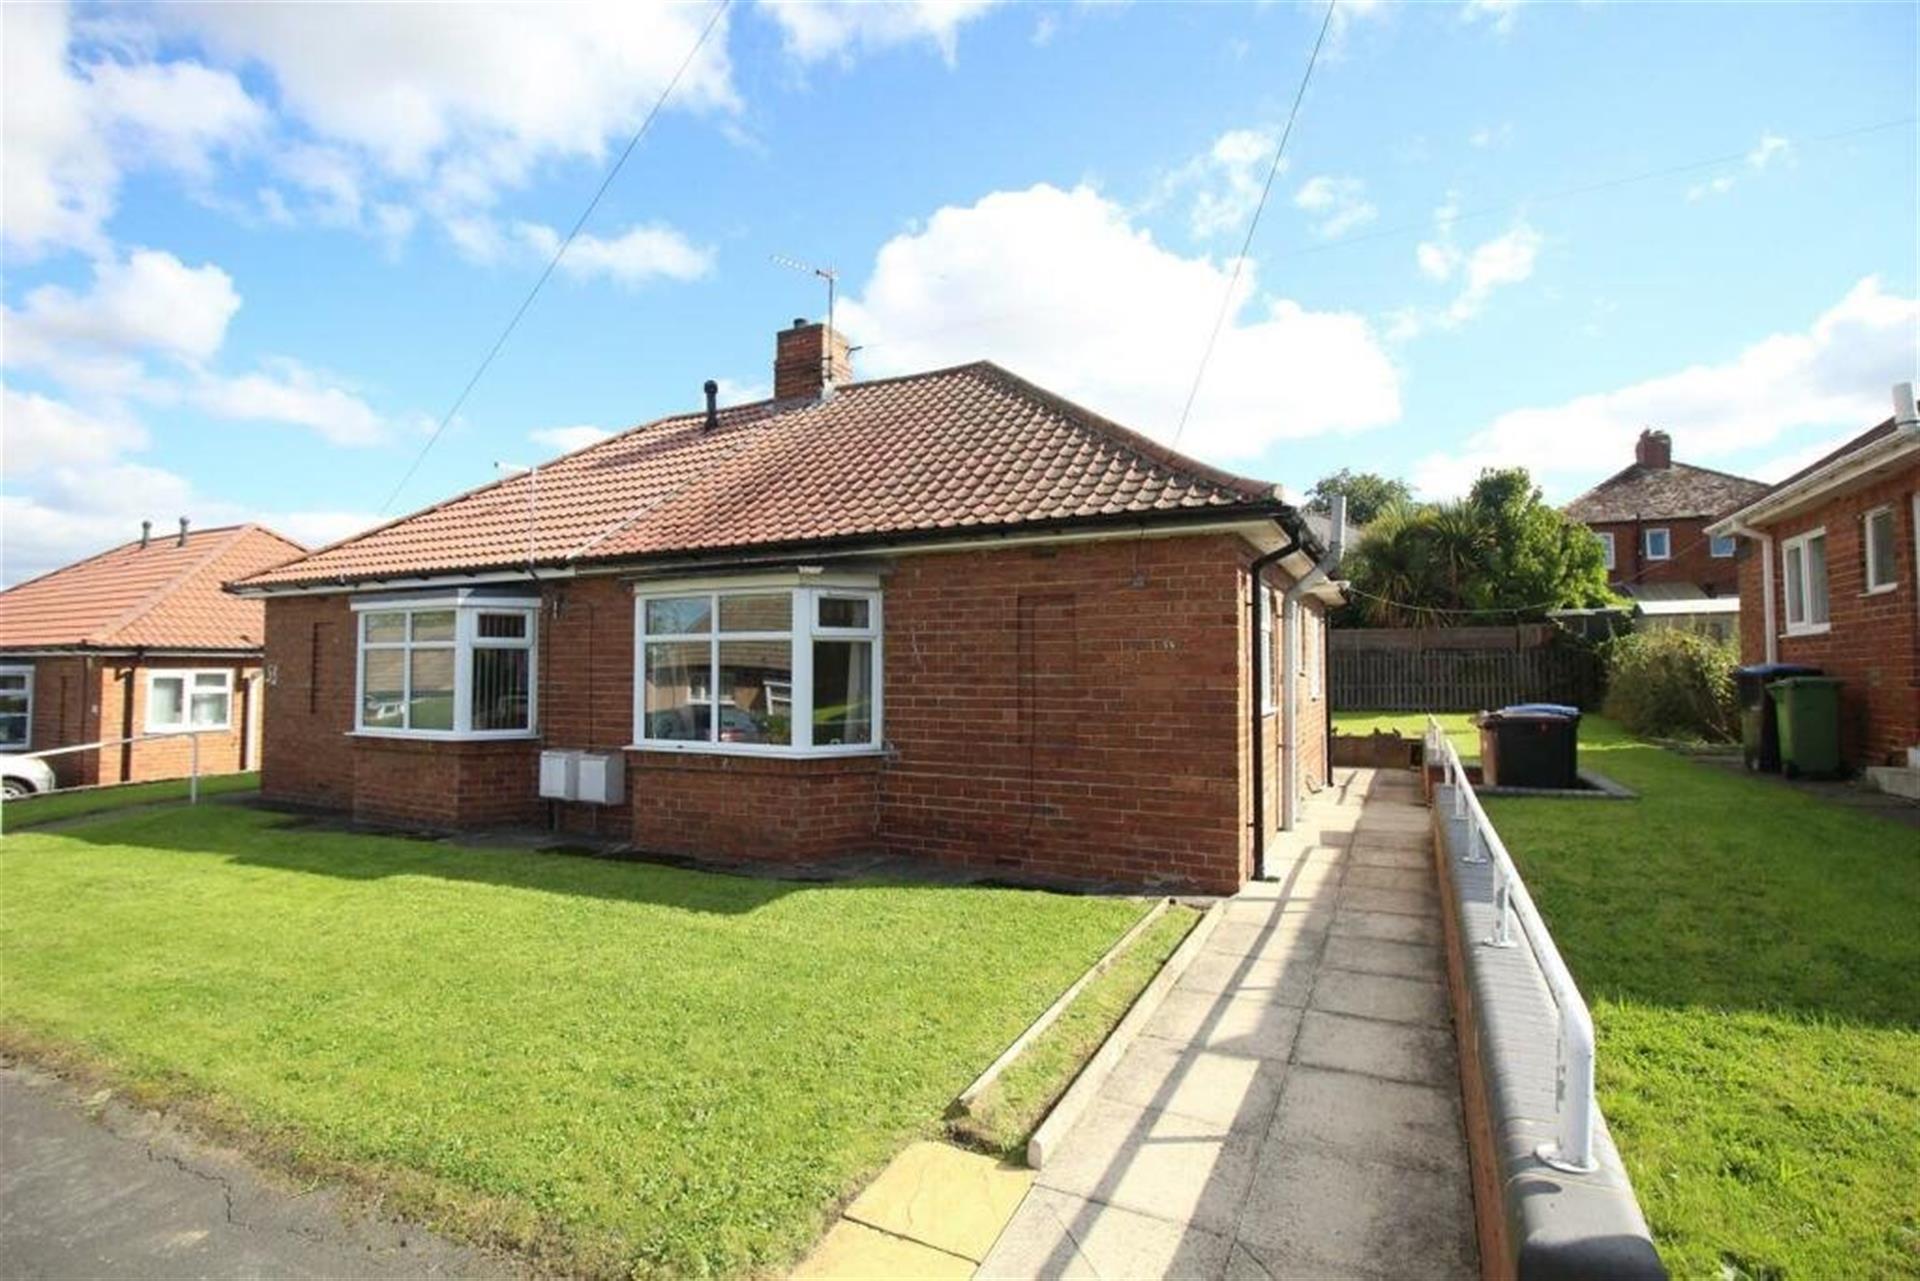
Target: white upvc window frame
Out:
[466,609]
[25,672]
[1269,662]
[1716,541]
[1314,636]
[1799,599]
[1868,544]
[189,678]
[1606,546]
[804,628]
[1666,543]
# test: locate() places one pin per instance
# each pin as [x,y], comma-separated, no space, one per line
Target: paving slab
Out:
[1392,1051]
[1376,1120]
[1408,855]
[1383,956]
[1057,1235]
[855,1252]
[1171,1167]
[1232,1090]
[1409,880]
[943,1197]
[1318,1212]
[1374,900]
[1395,927]
[1380,996]
[1243,1023]
[1284,982]
[1279,938]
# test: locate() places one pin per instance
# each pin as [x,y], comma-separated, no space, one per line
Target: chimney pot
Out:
[1654,450]
[183,533]
[712,389]
[146,533]
[809,360]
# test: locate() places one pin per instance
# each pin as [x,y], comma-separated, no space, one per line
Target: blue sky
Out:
[253,253]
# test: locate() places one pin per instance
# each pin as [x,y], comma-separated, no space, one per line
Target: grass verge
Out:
[1006,1114]
[31,811]
[1459,728]
[1752,960]
[628,1069]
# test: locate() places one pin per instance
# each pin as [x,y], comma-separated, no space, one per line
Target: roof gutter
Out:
[1289,670]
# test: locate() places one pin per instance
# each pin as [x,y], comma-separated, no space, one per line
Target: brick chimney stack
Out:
[809,361]
[1654,451]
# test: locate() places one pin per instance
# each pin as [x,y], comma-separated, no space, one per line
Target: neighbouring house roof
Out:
[971,448]
[1673,492]
[1659,599]
[166,595]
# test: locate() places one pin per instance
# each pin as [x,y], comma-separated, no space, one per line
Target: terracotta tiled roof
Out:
[162,596]
[1663,493]
[972,447]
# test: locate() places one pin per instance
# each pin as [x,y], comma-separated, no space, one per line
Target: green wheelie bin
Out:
[1808,708]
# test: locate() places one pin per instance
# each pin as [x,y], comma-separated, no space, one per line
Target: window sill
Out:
[761,750]
[181,731]
[447,736]
[1882,589]
[1815,629]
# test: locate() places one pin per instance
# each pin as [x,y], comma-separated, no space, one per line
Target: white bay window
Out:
[762,670]
[458,666]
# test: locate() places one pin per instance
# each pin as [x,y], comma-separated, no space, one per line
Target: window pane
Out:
[844,611]
[13,702]
[13,683]
[762,612]
[383,700]
[1796,601]
[679,696]
[500,689]
[1817,580]
[210,680]
[165,699]
[756,690]
[433,625]
[209,709]
[1880,566]
[13,728]
[386,627]
[677,614]
[842,692]
[430,702]
[503,626]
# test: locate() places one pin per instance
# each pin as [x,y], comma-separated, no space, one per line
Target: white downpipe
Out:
[1766,586]
[1290,666]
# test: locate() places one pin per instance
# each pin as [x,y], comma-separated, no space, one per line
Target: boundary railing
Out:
[193,755]
[1573,1078]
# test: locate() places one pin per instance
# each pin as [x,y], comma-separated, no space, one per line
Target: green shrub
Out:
[1673,684]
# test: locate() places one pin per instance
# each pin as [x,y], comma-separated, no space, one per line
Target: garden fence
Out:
[1459,669]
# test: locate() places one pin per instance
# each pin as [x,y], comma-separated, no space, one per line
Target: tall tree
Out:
[1498,555]
[1368,494]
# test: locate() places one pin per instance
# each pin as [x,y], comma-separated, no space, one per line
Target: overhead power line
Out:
[513,322]
[1253,223]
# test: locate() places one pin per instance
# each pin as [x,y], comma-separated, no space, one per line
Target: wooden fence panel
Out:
[1458,669]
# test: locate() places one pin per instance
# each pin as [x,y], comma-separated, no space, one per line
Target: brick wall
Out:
[1692,561]
[1873,641]
[83,698]
[1074,712]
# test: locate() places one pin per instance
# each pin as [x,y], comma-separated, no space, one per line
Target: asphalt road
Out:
[95,1189]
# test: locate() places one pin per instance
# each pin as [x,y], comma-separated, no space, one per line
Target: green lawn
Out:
[1752,956]
[34,810]
[1465,735]
[633,1069]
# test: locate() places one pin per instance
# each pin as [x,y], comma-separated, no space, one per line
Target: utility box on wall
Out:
[560,775]
[602,779]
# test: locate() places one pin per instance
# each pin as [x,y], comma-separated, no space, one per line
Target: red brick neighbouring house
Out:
[948,616]
[139,640]
[1652,519]
[1831,578]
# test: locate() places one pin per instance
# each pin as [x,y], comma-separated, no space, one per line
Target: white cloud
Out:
[73,128]
[146,301]
[1490,136]
[1063,288]
[1770,150]
[1833,375]
[286,391]
[564,440]
[1339,204]
[1498,14]
[634,256]
[42,433]
[1506,259]
[816,30]
[1226,180]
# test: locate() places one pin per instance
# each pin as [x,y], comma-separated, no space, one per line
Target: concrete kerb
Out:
[963,1105]
[1535,1222]
[1081,1094]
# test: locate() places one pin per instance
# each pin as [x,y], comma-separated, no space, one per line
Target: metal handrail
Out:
[193,753]
[1573,1077]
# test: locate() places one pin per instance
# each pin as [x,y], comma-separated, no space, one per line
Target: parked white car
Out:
[24,776]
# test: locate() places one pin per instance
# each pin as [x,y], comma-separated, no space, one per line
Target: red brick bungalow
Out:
[139,640]
[948,616]
[1831,578]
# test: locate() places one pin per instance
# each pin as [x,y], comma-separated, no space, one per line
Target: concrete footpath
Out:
[99,1190]
[1294,1108]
